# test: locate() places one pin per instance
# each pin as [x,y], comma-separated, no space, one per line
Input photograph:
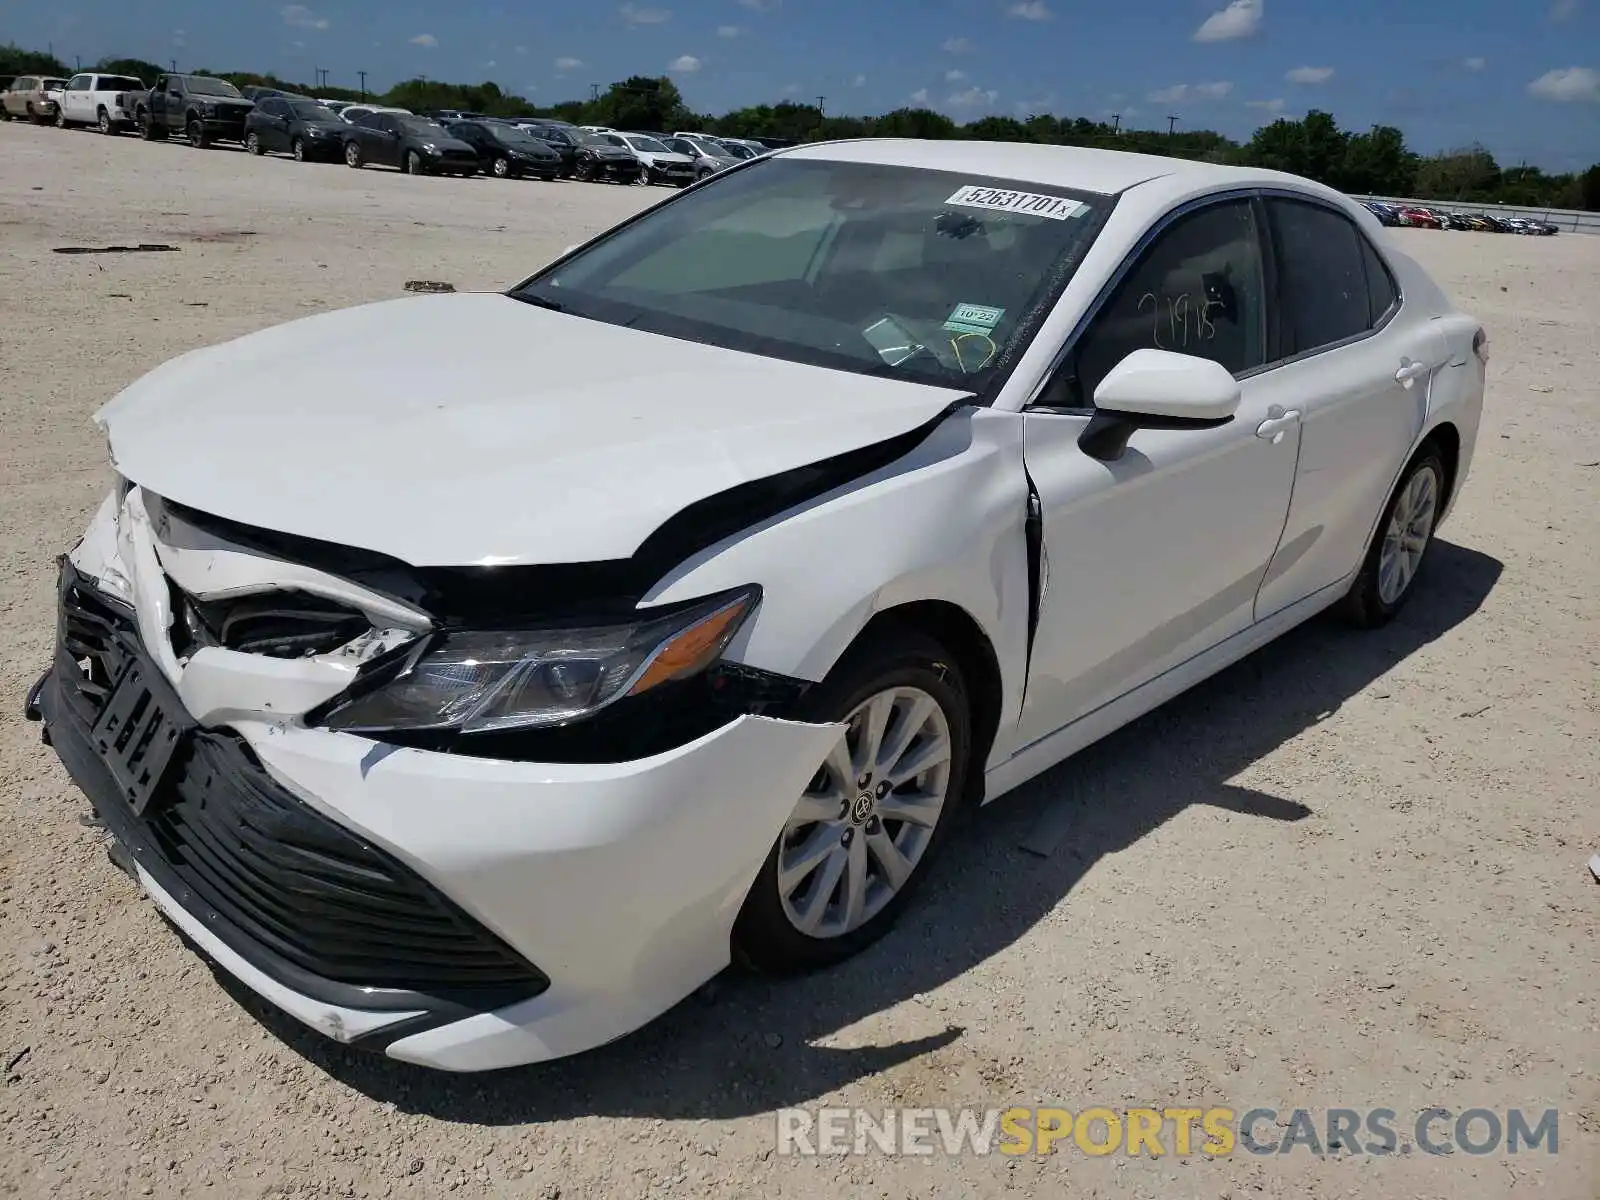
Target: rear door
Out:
[1359,364]
[385,140]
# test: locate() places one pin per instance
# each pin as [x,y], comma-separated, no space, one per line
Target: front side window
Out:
[78,83]
[647,144]
[1196,289]
[1323,277]
[929,276]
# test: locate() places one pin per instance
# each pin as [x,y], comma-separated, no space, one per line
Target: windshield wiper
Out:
[538,301]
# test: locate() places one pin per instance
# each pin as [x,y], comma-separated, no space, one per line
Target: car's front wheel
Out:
[1390,568]
[197,134]
[862,835]
[413,163]
[352,155]
[298,148]
[501,167]
[252,142]
[61,117]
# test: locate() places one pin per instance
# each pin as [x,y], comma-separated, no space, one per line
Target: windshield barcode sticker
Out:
[1029,204]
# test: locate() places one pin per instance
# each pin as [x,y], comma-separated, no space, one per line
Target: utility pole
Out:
[78,60]
[1116,124]
[316,79]
[174,64]
[1171,124]
[594,92]
[363,75]
[820,111]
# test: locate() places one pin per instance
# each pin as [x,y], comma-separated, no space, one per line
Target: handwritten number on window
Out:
[1184,322]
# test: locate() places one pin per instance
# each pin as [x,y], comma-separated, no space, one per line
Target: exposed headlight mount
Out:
[477,681]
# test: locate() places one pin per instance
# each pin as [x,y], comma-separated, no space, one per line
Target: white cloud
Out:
[634,15]
[1309,75]
[920,96]
[729,31]
[761,5]
[954,76]
[973,97]
[1190,91]
[566,63]
[425,39]
[298,45]
[1241,19]
[790,89]
[1563,10]
[1474,63]
[685,64]
[957,46]
[520,49]
[1568,85]
[179,37]
[301,16]
[859,81]
[1271,106]
[491,64]
[1030,10]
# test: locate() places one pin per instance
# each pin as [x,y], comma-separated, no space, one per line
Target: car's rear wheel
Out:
[352,155]
[252,142]
[298,148]
[861,837]
[148,129]
[104,121]
[1389,571]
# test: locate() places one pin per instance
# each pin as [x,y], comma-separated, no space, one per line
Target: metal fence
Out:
[1568,220]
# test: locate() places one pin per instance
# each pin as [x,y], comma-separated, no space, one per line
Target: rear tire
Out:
[908,678]
[106,124]
[148,129]
[1399,546]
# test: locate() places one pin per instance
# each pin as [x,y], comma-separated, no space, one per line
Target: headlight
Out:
[475,681]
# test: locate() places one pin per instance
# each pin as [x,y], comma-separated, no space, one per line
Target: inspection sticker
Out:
[974,318]
[1030,204]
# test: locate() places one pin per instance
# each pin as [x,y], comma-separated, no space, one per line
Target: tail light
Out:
[1480,346]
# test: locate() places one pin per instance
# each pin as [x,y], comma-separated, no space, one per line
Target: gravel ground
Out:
[1347,872]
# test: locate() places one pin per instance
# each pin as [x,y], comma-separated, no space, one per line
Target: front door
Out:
[1158,555]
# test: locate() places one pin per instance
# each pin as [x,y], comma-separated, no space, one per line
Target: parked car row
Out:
[1415,216]
[264,120]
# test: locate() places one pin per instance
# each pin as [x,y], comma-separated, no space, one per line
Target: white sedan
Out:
[477,709]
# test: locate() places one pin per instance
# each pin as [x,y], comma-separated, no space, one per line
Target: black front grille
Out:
[298,895]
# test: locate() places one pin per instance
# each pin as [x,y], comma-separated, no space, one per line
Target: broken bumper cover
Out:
[620,881]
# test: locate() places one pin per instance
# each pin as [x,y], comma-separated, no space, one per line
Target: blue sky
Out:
[1521,77]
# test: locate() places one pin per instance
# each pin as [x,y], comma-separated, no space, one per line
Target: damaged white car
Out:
[477,709]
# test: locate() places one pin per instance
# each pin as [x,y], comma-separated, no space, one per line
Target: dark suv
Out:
[203,109]
[416,145]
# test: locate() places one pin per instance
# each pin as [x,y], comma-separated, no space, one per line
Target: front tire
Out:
[196,134]
[252,143]
[1389,571]
[501,167]
[352,156]
[298,148]
[61,117]
[413,163]
[861,837]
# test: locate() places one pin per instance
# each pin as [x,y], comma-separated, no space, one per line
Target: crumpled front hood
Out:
[475,429]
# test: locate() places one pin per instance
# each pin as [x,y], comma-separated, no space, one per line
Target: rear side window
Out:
[1323,275]
[1382,295]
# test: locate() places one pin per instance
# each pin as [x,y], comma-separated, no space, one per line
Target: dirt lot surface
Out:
[1347,872]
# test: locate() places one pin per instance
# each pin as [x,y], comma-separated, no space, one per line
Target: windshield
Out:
[595,139]
[927,276]
[512,136]
[202,86]
[307,111]
[738,151]
[648,144]
[120,83]
[422,127]
[51,85]
[682,146]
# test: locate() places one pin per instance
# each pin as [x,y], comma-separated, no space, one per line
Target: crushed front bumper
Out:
[456,912]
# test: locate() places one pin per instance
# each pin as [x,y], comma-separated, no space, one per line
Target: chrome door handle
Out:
[1410,371]
[1272,429]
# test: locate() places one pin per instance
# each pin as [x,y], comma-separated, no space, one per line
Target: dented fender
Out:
[881,541]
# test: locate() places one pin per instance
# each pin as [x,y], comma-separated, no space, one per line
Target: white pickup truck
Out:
[105,101]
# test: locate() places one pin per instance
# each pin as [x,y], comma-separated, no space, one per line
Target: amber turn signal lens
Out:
[695,648]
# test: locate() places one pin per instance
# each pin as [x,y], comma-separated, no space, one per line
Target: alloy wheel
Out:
[1406,538]
[298,149]
[868,816]
[105,121]
[252,143]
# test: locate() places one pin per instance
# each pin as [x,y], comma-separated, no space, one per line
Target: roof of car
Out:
[1105,171]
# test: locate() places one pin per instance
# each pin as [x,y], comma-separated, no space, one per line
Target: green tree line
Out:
[1374,162]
